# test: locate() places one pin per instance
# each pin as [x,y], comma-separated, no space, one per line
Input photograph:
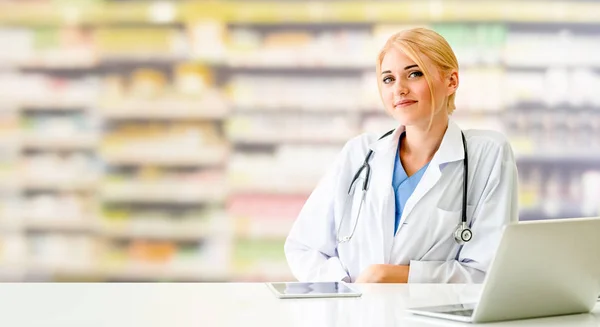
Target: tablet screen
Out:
[317,288]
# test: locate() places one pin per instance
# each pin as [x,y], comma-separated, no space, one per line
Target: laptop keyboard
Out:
[464,313]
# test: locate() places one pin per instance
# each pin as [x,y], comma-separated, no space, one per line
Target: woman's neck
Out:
[420,144]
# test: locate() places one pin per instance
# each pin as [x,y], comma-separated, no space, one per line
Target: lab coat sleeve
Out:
[311,247]
[498,207]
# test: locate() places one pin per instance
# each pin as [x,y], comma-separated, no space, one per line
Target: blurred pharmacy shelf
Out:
[179,140]
[206,156]
[163,192]
[140,12]
[41,141]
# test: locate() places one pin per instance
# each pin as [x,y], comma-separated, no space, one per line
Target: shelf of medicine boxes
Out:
[190,229]
[558,157]
[264,185]
[572,211]
[276,132]
[183,247]
[65,142]
[556,194]
[151,98]
[206,188]
[265,181]
[321,11]
[109,49]
[102,49]
[170,120]
[273,152]
[54,157]
[63,139]
[48,170]
[528,152]
[54,139]
[174,192]
[206,185]
[210,107]
[570,136]
[194,264]
[103,263]
[269,112]
[181,149]
[267,190]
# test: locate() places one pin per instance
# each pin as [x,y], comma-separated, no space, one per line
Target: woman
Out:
[403,227]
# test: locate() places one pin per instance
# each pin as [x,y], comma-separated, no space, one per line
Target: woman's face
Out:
[405,92]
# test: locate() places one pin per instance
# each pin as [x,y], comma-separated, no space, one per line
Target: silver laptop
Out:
[541,268]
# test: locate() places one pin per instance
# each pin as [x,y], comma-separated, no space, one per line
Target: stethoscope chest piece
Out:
[463,234]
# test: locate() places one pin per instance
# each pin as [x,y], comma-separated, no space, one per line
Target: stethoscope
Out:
[462,234]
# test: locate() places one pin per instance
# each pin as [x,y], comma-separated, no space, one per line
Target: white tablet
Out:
[296,290]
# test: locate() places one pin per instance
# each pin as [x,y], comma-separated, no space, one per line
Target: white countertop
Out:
[234,305]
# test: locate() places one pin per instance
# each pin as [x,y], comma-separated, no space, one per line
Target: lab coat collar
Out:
[388,143]
[450,150]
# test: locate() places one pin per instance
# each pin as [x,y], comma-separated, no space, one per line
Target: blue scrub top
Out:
[403,185]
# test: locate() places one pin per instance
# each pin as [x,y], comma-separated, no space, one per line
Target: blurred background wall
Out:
[177,141]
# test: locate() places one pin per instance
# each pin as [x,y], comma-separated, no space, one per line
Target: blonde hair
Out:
[422,41]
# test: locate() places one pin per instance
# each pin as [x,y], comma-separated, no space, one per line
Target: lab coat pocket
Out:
[443,224]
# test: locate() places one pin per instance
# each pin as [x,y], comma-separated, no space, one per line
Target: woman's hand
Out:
[384,274]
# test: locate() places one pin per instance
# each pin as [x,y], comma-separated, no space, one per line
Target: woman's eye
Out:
[415,74]
[387,80]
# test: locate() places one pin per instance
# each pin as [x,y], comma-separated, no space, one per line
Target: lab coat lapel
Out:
[382,166]
[451,149]
[430,177]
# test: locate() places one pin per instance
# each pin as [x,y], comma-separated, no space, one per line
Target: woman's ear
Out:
[452,82]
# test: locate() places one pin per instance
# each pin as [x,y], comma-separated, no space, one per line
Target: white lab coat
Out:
[425,237]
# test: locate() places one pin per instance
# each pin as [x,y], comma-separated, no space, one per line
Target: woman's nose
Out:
[400,89]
